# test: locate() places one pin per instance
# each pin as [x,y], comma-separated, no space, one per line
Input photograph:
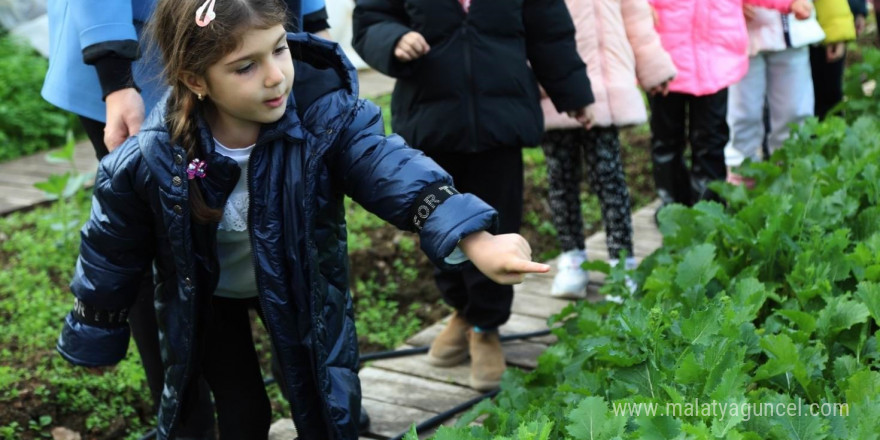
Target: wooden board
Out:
[536,306]
[389,420]
[418,366]
[412,391]
[523,354]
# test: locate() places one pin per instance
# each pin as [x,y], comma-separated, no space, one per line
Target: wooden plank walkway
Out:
[400,392]
[17,177]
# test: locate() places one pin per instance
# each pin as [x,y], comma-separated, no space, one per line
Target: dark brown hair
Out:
[186,47]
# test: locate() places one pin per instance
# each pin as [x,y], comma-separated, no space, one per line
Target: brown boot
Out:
[450,347]
[487,360]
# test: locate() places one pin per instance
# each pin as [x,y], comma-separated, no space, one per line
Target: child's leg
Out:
[451,283]
[789,91]
[496,176]
[197,413]
[607,179]
[671,175]
[231,367]
[746,114]
[563,154]
[827,80]
[708,135]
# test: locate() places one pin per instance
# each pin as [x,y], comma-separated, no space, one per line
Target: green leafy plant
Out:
[27,122]
[41,425]
[772,300]
[379,319]
[61,187]
[33,302]
[10,431]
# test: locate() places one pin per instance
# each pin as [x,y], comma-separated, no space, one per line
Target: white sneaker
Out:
[571,281]
[629,264]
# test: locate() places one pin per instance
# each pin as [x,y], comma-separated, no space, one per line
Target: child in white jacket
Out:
[779,77]
[617,40]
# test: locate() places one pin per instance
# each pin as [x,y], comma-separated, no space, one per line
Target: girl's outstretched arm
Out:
[504,258]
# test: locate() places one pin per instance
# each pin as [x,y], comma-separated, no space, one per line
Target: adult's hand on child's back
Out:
[125,114]
[504,258]
[411,46]
[802,9]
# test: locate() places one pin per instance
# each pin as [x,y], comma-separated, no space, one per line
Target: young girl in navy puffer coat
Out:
[233,193]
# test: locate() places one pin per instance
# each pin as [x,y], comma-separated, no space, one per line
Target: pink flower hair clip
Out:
[196,168]
[205,14]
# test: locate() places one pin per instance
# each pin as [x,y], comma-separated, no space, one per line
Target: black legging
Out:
[496,176]
[232,369]
[702,120]
[827,80]
[568,152]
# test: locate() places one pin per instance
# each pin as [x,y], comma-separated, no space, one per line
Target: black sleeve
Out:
[378,25]
[114,74]
[316,21]
[552,52]
[112,60]
[859,7]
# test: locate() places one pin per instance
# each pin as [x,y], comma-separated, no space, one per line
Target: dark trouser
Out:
[145,332]
[708,133]
[567,151]
[496,176]
[827,80]
[232,369]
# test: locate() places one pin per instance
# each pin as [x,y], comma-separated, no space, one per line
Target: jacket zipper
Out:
[472,99]
[250,222]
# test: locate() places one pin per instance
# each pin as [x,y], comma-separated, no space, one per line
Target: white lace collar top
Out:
[235,213]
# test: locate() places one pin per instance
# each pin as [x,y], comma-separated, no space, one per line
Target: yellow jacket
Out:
[836,20]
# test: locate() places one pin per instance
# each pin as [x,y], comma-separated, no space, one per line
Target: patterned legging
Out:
[599,150]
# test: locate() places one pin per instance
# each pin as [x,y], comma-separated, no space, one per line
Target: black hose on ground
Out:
[391,354]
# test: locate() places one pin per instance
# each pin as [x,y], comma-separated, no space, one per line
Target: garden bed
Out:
[392,287]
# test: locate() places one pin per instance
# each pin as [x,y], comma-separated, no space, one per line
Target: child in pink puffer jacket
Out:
[617,40]
[709,45]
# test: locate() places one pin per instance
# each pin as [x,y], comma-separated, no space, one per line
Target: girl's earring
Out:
[200,96]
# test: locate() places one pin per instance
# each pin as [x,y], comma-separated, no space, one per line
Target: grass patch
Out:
[28,123]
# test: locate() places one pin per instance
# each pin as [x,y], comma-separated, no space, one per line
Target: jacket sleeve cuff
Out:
[316,21]
[125,49]
[456,257]
[89,346]
[379,49]
[114,73]
[571,93]
[453,220]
